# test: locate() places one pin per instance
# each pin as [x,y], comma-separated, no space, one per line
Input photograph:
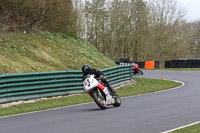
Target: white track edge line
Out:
[181,127]
[45,110]
[183,84]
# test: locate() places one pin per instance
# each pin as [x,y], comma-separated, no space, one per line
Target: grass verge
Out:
[144,85]
[140,86]
[191,129]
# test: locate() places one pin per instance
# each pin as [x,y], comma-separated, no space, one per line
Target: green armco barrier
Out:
[14,87]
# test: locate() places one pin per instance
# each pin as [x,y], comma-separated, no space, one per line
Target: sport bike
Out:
[100,93]
[137,69]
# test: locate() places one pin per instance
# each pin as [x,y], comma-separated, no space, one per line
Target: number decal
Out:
[88,82]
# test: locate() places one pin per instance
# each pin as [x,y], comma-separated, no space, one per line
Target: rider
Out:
[86,69]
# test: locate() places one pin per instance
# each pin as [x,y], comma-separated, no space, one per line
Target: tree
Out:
[50,15]
[153,30]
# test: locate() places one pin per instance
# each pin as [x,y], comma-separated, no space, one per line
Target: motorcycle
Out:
[137,69]
[100,93]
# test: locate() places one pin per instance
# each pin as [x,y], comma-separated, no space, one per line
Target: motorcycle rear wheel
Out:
[99,99]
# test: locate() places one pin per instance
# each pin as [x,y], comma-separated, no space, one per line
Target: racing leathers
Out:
[99,75]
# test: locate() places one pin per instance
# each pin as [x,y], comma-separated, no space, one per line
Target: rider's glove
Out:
[103,79]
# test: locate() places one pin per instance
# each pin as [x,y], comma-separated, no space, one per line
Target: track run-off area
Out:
[148,113]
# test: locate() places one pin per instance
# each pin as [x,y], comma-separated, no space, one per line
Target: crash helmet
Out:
[86,68]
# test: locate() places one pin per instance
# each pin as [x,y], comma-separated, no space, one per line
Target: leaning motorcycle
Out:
[137,69]
[100,93]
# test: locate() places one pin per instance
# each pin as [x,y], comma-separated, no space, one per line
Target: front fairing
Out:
[90,83]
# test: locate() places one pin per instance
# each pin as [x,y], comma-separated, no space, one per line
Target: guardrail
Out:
[14,87]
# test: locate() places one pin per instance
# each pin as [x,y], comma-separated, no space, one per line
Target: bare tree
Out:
[153,30]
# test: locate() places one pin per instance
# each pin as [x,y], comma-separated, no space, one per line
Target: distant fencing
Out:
[141,64]
[183,63]
[14,87]
[173,63]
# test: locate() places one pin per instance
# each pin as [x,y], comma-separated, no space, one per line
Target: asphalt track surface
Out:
[150,113]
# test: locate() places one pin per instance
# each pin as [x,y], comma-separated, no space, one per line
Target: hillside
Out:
[45,51]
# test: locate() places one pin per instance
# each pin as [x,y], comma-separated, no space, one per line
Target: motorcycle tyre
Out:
[140,71]
[94,95]
[117,102]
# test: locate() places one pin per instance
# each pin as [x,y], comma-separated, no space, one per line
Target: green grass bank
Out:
[45,51]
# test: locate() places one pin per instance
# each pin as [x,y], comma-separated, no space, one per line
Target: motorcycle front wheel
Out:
[117,102]
[99,99]
[140,71]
